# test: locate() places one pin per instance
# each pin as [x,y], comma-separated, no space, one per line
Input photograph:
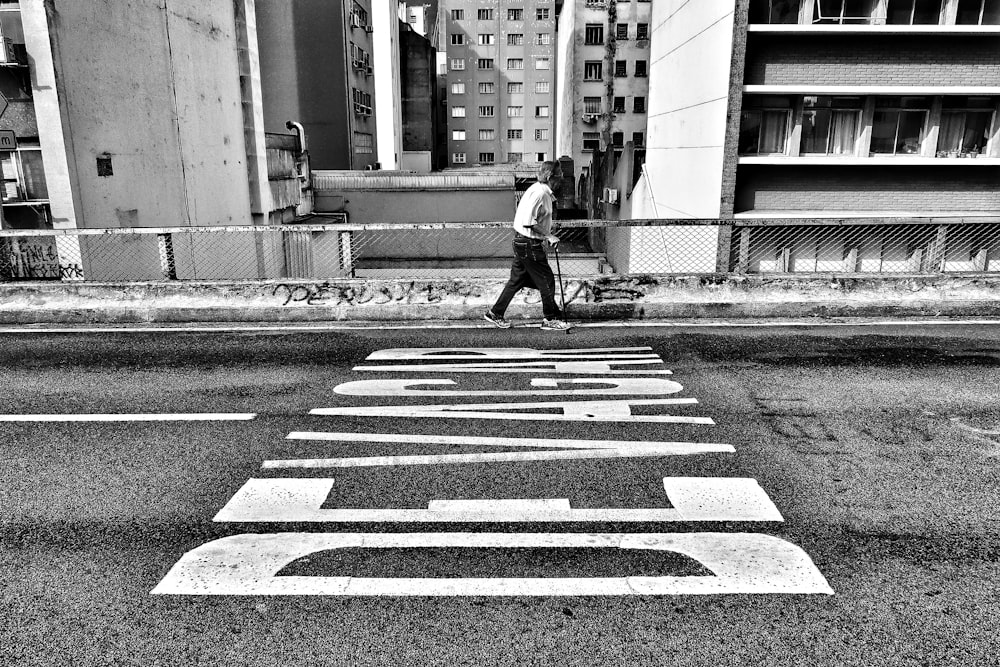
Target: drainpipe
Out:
[306,201]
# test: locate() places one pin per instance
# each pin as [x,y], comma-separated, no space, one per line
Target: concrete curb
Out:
[593,298]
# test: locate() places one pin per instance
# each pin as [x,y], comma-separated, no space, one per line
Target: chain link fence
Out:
[482,250]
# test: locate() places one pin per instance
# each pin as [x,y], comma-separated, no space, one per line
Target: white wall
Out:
[388,100]
[691,48]
[565,40]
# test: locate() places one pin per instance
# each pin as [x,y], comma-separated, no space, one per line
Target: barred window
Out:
[486,111]
[487,158]
[364,142]
[592,70]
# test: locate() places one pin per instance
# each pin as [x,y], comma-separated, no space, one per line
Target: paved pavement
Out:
[643,528]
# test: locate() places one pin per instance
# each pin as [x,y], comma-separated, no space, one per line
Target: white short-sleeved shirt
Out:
[534,213]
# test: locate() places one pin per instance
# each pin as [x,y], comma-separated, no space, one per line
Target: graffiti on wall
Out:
[34,259]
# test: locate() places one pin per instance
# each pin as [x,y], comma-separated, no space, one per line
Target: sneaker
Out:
[554,325]
[496,320]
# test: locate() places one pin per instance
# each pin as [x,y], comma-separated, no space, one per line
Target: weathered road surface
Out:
[230,524]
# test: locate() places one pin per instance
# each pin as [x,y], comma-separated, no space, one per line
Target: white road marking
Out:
[581,367]
[741,563]
[196,416]
[447,325]
[566,450]
[693,499]
[484,353]
[593,411]
[618,387]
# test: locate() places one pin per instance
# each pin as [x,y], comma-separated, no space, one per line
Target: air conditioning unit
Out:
[369,70]
[369,28]
[358,108]
[589,118]
[610,195]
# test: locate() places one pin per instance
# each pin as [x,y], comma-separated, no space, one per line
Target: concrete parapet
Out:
[595,298]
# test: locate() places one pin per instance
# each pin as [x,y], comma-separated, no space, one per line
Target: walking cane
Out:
[562,294]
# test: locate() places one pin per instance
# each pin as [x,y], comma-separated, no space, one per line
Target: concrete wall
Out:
[688,102]
[565,86]
[172,127]
[381,206]
[419,93]
[388,83]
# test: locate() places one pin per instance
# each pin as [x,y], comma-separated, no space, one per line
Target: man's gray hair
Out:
[548,168]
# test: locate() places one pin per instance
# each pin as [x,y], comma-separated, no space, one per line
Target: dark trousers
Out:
[530,269]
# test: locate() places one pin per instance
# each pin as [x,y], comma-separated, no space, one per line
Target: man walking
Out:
[533,226]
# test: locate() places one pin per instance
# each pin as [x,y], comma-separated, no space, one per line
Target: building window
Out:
[458,158]
[457,14]
[484,14]
[487,158]
[541,157]
[965,125]
[515,134]
[592,70]
[619,105]
[485,39]
[457,64]
[542,86]
[764,125]
[515,63]
[487,135]
[592,105]
[639,104]
[621,31]
[487,111]
[642,31]
[830,125]
[485,63]
[458,112]
[543,38]
[978,12]
[913,12]
[617,139]
[516,14]
[542,14]
[898,125]
[593,34]
[843,11]
[541,135]
[515,39]
[541,112]
[515,112]
[458,135]
[515,157]
[24,175]
[775,11]
[515,88]
[640,68]
[457,38]
[621,68]
[638,139]
[543,63]
[591,141]
[364,142]
[458,89]
[487,87]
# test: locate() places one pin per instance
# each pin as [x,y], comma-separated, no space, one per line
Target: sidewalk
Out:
[621,298]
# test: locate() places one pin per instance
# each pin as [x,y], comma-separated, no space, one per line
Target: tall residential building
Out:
[604,77]
[317,68]
[500,79]
[821,108]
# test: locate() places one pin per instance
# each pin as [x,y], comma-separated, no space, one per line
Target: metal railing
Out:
[890,246]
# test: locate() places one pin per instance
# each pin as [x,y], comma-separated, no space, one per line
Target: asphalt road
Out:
[879,446]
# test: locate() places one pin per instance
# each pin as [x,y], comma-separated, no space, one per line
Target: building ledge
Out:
[937,217]
[825,29]
[814,89]
[880,161]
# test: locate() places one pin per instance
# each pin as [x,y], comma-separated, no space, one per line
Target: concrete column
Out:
[928,147]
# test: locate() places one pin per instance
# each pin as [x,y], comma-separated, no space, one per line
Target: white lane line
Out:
[486,353]
[448,325]
[582,367]
[475,441]
[742,563]
[586,411]
[692,499]
[196,416]
[618,387]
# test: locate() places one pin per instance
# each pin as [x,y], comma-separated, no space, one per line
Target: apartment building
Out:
[803,109]
[604,77]
[500,79]
[317,68]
